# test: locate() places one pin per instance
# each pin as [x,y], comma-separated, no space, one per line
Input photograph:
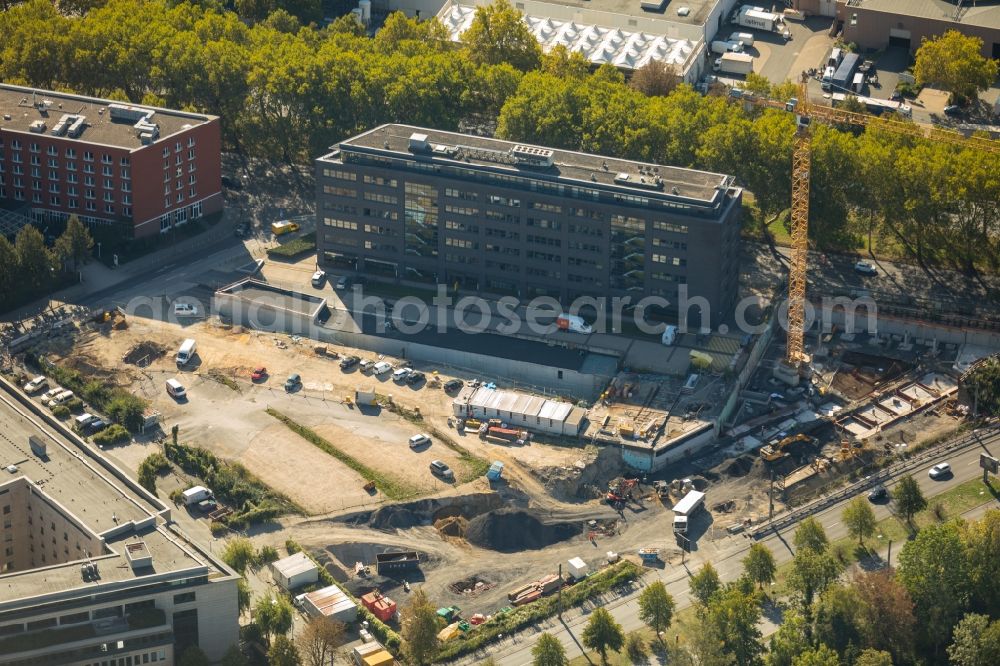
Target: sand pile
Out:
[511,531]
[144,353]
[452,526]
[739,466]
[398,517]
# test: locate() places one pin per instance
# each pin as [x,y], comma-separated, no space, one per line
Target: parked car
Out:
[366,365]
[453,385]
[185,310]
[176,390]
[293,382]
[84,420]
[940,471]
[60,398]
[207,506]
[36,384]
[953,110]
[97,426]
[343,282]
[381,368]
[318,278]
[349,362]
[419,440]
[51,393]
[878,493]
[400,374]
[415,378]
[258,374]
[865,268]
[438,468]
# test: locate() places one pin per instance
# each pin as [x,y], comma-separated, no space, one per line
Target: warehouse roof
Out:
[518,403]
[293,565]
[986,15]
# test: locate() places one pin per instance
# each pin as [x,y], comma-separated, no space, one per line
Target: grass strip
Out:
[224,379]
[392,488]
[294,247]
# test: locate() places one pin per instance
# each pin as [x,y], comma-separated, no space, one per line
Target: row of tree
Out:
[285,91]
[29,268]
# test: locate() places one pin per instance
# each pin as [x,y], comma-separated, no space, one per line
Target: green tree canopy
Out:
[548,651]
[705,584]
[820,656]
[75,243]
[759,565]
[273,615]
[656,607]
[812,572]
[498,34]
[981,385]
[810,534]
[836,621]
[871,657]
[283,652]
[954,62]
[602,633]
[420,628]
[733,615]
[909,498]
[976,642]
[789,641]
[238,553]
[859,518]
[885,613]
[34,261]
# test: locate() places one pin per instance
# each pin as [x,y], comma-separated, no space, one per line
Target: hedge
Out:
[293,248]
[117,403]
[113,434]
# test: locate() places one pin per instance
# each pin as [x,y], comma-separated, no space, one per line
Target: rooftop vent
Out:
[418,142]
[37,126]
[138,555]
[89,572]
[532,155]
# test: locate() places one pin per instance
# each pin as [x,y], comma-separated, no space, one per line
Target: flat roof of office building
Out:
[21,106]
[85,488]
[583,169]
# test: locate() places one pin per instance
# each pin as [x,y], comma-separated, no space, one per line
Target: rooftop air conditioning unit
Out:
[418,142]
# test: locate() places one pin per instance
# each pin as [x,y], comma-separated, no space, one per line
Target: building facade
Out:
[421,206]
[141,169]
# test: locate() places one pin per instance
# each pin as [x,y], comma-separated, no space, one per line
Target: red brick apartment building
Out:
[140,168]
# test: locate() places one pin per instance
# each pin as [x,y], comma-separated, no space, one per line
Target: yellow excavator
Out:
[778,450]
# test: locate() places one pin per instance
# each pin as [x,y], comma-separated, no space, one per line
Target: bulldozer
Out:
[778,450]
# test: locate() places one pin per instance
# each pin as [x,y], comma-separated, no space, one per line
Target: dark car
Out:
[349,362]
[415,378]
[878,493]
[453,385]
[293,382]
[953,110]
[438,468]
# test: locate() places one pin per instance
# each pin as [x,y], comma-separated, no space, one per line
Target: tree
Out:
[235,657]
[981,540]
[934,569]
[193,656]
[75,243]
[498,34]
[759,565]
[602,633]
[954,61]
[705,584]
[789,641]
[636,649]
[733,614]
[8,271]
[709,649]
[656,607]
[976,642]
[885,613]
[810,534]
[273,615]
[150,468]
[860,519]
[909,498]
[655,78]
[836,619]
[34,261]
[420,628]
[243,596]
[757,84]
[820,656]
[238,553]
[319,640]
[283,652]
[981,385]
[812,572]
[127,410]
[870,657]
[548,651]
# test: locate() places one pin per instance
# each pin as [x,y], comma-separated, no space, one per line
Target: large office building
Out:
[92,571]
[478,214]
[140,168]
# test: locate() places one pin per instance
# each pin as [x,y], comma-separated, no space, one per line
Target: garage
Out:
[899,37]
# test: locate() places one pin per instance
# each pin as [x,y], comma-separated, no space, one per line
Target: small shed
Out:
[295,571]
[331,602]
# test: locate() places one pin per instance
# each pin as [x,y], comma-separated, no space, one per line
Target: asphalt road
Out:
[516,650]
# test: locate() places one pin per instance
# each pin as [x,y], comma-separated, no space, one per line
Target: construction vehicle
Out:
[777,450]
[620,490]
[796,361]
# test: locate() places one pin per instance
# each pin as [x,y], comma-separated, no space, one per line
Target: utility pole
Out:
[888,557]
[770,498]
[560,591]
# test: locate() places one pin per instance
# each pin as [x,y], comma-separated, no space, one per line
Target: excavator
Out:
[777,451]
[620,490]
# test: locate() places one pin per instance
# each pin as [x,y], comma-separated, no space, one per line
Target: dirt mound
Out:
[398,517]
[453,526]
[512,531]
[144,353]
[739,466]
[699,483]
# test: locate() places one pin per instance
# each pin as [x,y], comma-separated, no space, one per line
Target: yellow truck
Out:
[283,227]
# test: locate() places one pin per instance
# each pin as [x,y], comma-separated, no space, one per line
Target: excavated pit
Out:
[513,531]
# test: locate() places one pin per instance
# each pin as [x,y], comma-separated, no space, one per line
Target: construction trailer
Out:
[294,571]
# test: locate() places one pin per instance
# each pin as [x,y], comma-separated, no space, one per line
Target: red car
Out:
[259,374]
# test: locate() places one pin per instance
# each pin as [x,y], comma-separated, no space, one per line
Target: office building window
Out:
[421,221]
[88,156]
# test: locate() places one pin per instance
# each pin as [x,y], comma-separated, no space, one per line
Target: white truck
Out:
[186,352]
[573,323]
[669,336]
[744,38]
[687,507]
[196,494]
[721,47]
[733,63]
[760,19]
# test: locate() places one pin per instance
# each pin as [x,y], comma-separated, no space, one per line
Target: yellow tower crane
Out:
[806,113]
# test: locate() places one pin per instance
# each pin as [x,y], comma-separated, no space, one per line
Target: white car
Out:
[419,440]
[939,471]
[65,396]
[400,374]
[51,393]
[185,310]
[36,384]
[865,268]
[318,278]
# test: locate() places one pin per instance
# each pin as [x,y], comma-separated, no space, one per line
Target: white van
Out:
[745,37]
[400,374]
[669,336]
[381,368]
[186,352]
[176,389]
[84,420]
[60,398]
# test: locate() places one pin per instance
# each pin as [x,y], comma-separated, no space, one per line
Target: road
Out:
[516,650]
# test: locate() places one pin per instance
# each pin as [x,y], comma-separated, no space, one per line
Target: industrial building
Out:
[520,410]
[330,602]
[876,24]
[92,571]
[423,206]
[140,169]
[294,571]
